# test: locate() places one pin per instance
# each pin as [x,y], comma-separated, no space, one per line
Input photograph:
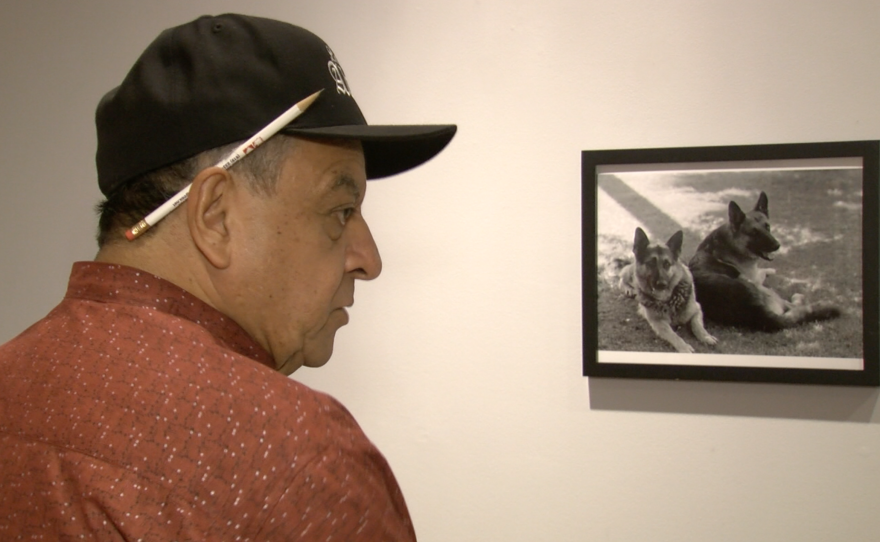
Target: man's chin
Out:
[316,360]
[317,349]
[307,357]
[318,352]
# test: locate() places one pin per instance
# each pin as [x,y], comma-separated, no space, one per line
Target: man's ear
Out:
[207,214]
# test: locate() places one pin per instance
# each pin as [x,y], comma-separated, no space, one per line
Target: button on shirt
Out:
[134,411]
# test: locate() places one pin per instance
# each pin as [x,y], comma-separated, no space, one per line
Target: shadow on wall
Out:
[790,401]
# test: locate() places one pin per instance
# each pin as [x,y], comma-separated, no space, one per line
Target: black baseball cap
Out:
[220,79]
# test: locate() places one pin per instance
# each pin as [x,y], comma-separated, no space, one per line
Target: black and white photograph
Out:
[754,263]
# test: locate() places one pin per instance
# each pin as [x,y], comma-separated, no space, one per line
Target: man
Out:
[151,404]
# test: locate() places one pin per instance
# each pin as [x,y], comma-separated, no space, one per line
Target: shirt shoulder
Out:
[130,415]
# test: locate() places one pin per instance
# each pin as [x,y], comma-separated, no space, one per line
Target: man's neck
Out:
[153,253]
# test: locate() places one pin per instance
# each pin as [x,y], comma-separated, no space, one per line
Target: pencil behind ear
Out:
[207,213]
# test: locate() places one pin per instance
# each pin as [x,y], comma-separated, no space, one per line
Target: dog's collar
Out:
[677,300]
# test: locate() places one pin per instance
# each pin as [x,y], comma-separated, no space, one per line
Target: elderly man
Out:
[151,404]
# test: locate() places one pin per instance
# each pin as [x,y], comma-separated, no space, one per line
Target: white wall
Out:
[463,360]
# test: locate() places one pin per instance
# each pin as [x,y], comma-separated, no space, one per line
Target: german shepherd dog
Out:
[664,289]
[730,285]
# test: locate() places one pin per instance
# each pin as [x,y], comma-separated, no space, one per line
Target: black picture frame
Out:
[824,208]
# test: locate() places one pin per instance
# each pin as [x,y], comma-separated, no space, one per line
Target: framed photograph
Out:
[753,263]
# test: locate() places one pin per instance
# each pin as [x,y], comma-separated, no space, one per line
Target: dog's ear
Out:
[762,205]
[640,243]
[735,214]
[674,243]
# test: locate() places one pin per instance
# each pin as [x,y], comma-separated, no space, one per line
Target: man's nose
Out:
[363,258]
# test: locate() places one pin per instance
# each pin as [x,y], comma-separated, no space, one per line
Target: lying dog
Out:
[664,289]
[730,285]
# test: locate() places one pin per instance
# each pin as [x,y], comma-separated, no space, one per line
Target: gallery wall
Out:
[463,360]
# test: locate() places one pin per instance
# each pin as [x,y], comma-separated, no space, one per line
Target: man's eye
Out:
[344,214]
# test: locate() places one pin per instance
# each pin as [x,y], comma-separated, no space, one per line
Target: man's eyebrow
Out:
[347,182]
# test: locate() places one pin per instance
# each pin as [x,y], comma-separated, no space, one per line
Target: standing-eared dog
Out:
[730,285]
[664,289]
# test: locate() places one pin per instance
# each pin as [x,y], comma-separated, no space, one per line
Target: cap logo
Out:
[337,74]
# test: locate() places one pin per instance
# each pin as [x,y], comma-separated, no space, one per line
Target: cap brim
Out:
[388,150]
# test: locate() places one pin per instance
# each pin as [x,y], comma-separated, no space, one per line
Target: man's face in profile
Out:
[302,250]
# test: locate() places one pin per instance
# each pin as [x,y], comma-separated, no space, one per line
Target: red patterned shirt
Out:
[134,411]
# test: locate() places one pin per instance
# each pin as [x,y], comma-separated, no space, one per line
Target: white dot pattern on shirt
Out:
[142,410]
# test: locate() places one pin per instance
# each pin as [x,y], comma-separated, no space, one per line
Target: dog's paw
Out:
[797,299]
[627,288]
[708,339]
[684,348]
[627,282]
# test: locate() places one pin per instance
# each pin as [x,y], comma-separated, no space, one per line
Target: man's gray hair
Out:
[141,196]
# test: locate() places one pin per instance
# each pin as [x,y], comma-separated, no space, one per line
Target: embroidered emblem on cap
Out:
[337,74]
